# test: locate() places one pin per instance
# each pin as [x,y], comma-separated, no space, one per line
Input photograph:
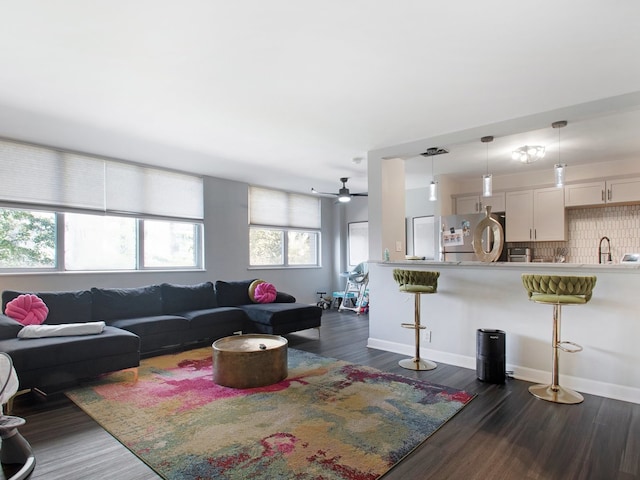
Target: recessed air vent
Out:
[434,151]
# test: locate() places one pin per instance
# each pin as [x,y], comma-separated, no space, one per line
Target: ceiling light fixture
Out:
[559,168]
[433,186]
[487,179]
[528,153]
[344,197]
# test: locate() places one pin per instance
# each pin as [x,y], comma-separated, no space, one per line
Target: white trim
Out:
[584,385]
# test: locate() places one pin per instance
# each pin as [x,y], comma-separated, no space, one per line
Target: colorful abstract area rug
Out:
[328,419]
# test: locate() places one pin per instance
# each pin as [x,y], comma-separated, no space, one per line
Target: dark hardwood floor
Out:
[504,433]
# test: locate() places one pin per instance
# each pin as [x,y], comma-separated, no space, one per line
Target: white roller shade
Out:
[282,209]
[43,176]
[137,189]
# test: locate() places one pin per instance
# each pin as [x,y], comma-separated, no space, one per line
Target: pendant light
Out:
[487,180]
[433,186]
[559,168]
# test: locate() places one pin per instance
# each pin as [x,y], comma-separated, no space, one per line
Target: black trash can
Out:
[490,356]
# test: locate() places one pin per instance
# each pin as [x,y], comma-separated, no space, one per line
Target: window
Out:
[27,239]
[358,243]
[97,242]
[171,244]
[266,246]
[103,214]
[284,229]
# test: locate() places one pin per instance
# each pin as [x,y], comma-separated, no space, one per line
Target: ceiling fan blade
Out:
[343,193]
[313,190]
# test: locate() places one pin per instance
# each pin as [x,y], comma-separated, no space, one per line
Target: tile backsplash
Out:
[586,227]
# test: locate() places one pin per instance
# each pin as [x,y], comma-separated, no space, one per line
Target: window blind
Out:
[43,176]
[282,209]
[136,189]
[36,175]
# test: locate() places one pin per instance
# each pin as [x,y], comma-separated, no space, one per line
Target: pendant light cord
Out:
[487,158]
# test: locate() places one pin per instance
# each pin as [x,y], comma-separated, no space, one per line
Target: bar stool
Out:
[418,283]
[558,291]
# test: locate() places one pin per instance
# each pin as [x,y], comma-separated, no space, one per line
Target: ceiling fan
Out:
[343,194]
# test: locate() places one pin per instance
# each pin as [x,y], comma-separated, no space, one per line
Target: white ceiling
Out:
[286,93]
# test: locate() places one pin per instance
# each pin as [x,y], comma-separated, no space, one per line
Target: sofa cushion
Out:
[182,298]
[119,303]
[157,332]
[276,314]
[54,351]
[64,307]
[9,328]
[230,294]
[145,326]
[214,323]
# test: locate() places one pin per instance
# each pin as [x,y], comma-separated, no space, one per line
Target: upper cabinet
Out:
[535,215]
[584,194]
[624,190]
[477,204]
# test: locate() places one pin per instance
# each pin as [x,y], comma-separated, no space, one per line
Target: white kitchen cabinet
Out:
[477,203]
[535,215]
[624,190]
[584,194]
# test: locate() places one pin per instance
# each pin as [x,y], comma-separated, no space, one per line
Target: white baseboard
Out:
[584,385]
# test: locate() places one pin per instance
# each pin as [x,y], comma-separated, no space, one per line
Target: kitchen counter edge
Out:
[615,267]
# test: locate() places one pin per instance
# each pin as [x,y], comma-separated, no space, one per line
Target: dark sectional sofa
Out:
[143,321]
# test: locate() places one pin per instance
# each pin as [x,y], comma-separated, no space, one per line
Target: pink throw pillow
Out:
[265,293]
[27,309]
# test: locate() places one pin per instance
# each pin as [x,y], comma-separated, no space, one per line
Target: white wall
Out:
[492,296]
[226,255]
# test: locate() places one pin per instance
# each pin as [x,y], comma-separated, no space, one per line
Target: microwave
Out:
[519,255]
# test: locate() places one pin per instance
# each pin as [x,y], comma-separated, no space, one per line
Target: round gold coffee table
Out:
[249,361]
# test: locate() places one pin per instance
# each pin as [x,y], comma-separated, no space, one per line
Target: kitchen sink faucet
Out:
[607,253]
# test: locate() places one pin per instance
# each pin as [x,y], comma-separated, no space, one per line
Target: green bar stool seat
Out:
[418,283]
[558,290]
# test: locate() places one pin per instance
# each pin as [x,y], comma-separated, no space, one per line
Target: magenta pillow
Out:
[27,309]
[265,293]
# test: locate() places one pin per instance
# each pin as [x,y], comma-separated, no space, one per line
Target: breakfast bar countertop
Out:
[605,267]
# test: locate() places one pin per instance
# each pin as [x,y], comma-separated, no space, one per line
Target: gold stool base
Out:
[417,364]
[558,395]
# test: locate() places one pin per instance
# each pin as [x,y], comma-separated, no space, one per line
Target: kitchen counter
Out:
[615,267]
[474,295]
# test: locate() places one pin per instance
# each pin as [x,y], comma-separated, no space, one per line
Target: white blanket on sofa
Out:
[62,330]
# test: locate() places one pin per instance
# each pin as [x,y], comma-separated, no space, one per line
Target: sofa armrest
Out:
[282,297]
[9,328]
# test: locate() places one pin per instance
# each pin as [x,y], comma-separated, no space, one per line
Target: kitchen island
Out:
[473,295]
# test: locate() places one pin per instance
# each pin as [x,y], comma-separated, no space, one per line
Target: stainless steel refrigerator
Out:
[456,237]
